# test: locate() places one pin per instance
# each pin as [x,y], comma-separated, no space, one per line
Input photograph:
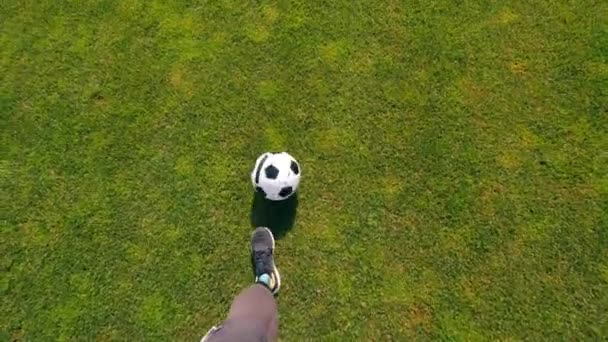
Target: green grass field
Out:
[454,156]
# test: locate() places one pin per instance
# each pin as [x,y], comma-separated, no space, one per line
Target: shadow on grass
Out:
[278,216]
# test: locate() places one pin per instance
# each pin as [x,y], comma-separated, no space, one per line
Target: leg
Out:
[253,317]
[253,314]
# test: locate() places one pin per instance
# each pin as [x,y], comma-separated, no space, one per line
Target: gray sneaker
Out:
[262,249]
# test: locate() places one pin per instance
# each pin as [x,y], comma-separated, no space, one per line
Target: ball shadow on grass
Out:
[278,216]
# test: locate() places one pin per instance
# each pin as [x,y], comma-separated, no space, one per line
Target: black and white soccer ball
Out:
[276,175]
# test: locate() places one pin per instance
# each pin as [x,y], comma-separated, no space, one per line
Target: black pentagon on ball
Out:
[286,191]
[260,190]
[271,172]
[294,167]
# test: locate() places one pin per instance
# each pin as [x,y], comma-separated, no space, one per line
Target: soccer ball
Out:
[276,175]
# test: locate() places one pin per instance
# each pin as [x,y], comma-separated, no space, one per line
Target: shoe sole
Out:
[275,270]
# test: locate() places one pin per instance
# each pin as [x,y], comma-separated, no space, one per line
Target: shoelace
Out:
[262,261]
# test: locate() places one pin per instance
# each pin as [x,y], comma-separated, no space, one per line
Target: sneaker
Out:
[262,248]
